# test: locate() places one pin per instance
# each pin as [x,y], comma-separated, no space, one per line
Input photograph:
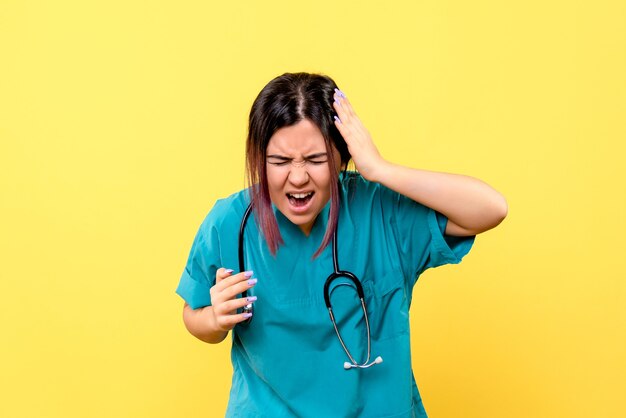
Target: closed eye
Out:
[279,164]
[314,159]
[283,163]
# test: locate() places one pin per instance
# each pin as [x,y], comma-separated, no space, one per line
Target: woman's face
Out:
[298,173]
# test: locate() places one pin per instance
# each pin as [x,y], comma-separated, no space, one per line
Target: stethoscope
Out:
[336,274]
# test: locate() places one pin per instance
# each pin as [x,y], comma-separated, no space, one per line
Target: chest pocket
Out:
[387,305]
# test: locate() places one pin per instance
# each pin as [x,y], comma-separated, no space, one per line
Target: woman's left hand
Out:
[360,144]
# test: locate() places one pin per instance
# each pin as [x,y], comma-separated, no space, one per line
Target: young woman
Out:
[320,237]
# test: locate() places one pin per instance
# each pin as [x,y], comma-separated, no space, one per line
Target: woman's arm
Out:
[470,205]
[212,323]
[202,325]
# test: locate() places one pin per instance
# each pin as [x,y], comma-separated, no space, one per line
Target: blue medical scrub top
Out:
[288,362]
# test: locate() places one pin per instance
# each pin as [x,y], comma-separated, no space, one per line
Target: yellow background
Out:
[121,122]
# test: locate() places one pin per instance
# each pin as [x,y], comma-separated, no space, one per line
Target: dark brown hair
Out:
[285,101]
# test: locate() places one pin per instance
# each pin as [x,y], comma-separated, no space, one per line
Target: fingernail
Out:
[251,299]
[248,273]
[340,93]
[252,282]
[228,271]
[337,119]
[336,100]
[247,315]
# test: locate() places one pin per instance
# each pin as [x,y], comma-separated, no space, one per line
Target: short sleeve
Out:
[419,232]
[204,259]
[444,249]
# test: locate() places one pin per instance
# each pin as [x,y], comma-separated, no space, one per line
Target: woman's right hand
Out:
[224,297]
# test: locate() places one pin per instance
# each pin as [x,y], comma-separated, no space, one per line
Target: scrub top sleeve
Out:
[444,249]
[199,274]
[420,235]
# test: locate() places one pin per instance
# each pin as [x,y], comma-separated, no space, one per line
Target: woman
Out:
[392,223]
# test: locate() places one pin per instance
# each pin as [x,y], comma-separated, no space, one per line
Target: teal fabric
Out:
[288,361]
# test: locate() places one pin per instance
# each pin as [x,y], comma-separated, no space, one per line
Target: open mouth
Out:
[300,200]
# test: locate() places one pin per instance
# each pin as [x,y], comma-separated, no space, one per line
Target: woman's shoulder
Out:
[354,185]
[353,180]
[228,211]
[361,192]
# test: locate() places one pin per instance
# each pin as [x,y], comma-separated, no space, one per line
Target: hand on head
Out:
[360,144]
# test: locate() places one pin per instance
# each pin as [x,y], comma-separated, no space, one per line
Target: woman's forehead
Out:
[303,137]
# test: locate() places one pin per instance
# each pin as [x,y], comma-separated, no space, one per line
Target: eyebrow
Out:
[308,157]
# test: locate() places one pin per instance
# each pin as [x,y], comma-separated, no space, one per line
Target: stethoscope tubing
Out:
[336,274]
[248,308]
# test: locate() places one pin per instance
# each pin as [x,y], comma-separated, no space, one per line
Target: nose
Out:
[298,176]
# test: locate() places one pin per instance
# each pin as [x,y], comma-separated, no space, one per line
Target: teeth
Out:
[300,195]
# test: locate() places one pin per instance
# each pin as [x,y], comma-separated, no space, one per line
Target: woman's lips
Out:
[300,205]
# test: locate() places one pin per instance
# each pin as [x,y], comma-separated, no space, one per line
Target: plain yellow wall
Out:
[121,122]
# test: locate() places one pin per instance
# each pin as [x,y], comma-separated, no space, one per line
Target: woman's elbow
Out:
[499,212]
[492,215]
